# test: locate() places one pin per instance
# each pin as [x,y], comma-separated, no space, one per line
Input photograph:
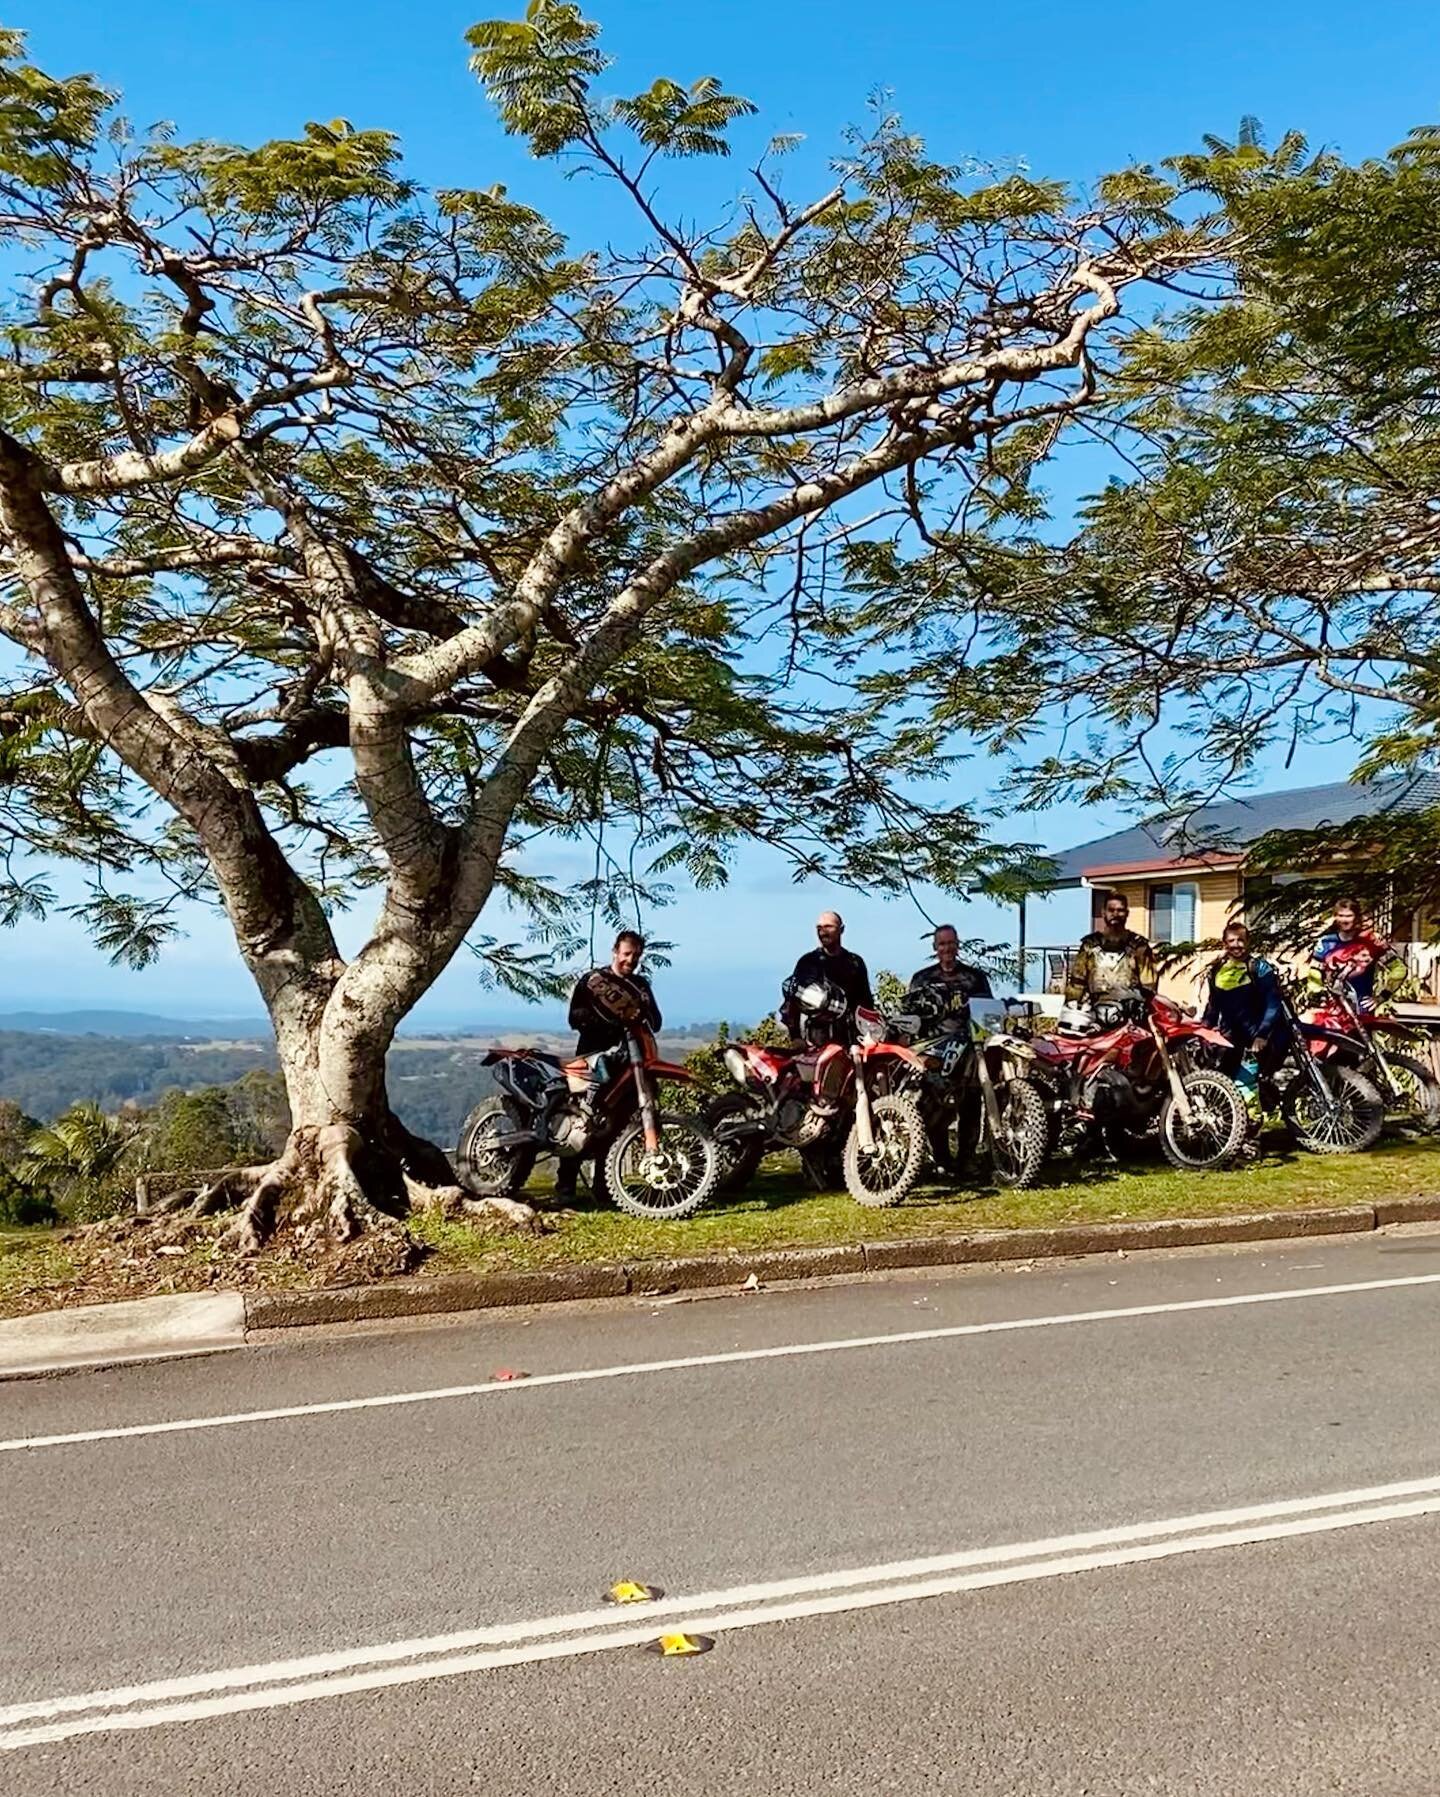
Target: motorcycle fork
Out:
[864,1117]
[649,1122]
[991,1102]
[1177,1085]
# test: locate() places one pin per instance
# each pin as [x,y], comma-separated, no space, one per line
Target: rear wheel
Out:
[1018,1153]
[1349,1123]
[892,1168]
[482,1166]
[1215,1129]
[740,1156]
[1418,1095]
[669,1182]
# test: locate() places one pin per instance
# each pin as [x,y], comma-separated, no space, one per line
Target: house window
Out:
[1174,912]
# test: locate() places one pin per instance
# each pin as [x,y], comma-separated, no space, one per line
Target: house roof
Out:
[1216,835]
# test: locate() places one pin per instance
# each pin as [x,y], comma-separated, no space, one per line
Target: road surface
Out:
[1160,1524]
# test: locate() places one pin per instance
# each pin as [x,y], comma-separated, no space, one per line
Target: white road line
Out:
[788,1350]
[889,1572]
[697,1619]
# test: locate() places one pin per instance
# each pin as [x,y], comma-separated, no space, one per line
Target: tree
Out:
[358,536]
[188,1130]
[1260,572]
[74,1160]
[19,1203]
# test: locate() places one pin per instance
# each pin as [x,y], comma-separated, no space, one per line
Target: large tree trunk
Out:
[350,1167]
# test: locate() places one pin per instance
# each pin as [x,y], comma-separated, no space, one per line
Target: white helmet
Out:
[1075,1020]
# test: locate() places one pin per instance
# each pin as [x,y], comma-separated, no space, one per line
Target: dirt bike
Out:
[1133,1072]
[976,1085]
[885,1149]
[656,1164]
[796,1096]
[1327,1104]
[1353,1035]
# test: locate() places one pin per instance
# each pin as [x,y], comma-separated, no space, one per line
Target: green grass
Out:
[39,1269]
[30,1260]
[779,1211]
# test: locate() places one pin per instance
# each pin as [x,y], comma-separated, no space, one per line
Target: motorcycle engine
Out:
[797,1125]
[566,1130]
[1110,1097]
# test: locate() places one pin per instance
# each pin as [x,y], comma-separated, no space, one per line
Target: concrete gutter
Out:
[112,1334]
[210,1322]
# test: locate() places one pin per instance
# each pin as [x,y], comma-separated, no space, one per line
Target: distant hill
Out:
[135,1023]
[130,1025]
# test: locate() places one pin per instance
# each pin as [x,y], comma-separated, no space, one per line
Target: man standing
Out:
[1111,960]
[948,974]
[600,1032]
[831,961]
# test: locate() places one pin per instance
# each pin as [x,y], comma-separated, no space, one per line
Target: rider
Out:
[834,962]
[600,1034]
[1111,960]
[948,975]
[952,983]
[1366,961]
[1242,1001]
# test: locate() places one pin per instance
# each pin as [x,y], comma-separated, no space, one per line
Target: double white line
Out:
[317,1677]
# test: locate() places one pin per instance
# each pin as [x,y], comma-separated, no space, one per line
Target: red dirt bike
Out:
[1133,1072]
[796,1095]
[1341,1029]
[657,1164]
[885,1150]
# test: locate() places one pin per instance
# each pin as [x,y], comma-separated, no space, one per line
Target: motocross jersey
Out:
[1373,970]
[597,1030]
[1242,998]
[1108,964]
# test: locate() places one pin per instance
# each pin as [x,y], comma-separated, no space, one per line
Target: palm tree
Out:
[72,1157]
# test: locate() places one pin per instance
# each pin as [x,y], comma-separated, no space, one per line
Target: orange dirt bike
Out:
[651,1163]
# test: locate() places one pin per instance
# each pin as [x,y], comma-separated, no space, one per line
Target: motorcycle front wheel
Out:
[1349,1124]
[1018,1153]
[891,1170]
[483,1167]
[1215,1129]
[671,1181]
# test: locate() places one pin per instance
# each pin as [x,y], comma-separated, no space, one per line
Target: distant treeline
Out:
[431,1088]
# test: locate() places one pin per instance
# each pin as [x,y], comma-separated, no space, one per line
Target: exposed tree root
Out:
[333,1187]
[455,1201]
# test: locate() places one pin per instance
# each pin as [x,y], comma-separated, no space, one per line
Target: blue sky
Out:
[1069,93]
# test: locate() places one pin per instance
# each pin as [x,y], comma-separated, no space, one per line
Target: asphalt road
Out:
[446,1547]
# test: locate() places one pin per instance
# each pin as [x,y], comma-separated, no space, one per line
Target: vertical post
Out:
[1020,946]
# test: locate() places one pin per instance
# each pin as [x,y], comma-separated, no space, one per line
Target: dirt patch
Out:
[140,1257]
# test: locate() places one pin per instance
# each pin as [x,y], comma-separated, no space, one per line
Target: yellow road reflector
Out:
[631,1591]
[675,1647]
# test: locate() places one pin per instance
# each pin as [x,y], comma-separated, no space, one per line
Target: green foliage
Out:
[538,71]
[190,1130]
[890,990]
[405,542]
[76,1163]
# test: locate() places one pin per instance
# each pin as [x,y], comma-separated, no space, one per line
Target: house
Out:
[1185,879]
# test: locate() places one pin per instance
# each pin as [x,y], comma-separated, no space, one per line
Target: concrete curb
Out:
[109,1334]
[210,1322]
[489,1291]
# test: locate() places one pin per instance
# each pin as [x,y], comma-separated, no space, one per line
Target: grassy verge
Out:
[780,1212]
[41,1268]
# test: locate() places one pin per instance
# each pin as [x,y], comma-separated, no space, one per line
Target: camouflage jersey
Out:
[1110,964]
